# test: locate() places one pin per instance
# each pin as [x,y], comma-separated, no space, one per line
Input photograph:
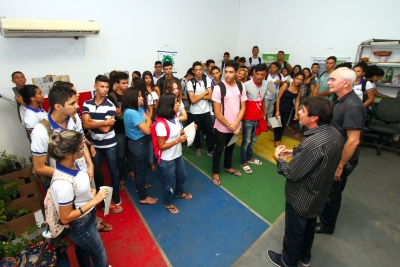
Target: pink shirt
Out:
[231,104]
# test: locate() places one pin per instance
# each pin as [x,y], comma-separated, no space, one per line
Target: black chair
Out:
[384,124]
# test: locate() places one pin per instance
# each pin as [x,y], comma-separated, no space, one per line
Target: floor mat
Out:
[212,229]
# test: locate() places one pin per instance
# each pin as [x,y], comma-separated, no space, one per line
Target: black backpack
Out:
[223,93]
[193,81]
[251,59]
[363,85]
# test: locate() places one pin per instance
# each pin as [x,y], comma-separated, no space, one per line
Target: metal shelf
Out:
[385,64]
[388,85]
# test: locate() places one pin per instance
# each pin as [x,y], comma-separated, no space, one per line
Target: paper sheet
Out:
[190,131]
[275,122]
[107,200]
[233,140]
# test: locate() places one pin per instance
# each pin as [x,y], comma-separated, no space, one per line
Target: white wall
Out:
[130,34]
[309,27]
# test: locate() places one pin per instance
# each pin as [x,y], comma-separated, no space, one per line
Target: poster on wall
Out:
[45,83]
[269,58]
[167,54]
[321,62]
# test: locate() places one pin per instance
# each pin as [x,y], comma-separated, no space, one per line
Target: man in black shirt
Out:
[348,119]
[167,67]
[309,177]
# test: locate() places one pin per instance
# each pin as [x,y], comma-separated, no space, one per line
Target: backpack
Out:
[363,85]
[154,137]
[251,59]
[194,82]
[53,222]
[223,93]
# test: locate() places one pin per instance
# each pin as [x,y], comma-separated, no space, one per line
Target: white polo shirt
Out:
[202,106]
[33,116]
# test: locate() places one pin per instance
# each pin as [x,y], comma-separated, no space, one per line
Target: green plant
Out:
[9,214]
[8,190]
[10,163]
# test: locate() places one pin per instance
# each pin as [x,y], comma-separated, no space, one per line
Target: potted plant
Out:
[10,163]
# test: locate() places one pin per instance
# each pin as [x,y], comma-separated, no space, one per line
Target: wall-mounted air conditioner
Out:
[47,28]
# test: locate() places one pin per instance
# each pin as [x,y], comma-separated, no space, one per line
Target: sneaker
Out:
[114,209]
[210,153]
[305,264]
[116,199]
[275,258]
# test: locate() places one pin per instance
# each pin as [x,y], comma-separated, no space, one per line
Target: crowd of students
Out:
[128,125]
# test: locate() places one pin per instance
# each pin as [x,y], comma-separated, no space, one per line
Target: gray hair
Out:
[64,142]
[346,74]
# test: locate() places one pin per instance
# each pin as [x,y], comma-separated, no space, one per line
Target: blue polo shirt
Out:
[132,118]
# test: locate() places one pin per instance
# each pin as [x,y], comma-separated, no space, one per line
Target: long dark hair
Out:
[165,108]
[130,99]
[139,83]
[148,73]
[292,73]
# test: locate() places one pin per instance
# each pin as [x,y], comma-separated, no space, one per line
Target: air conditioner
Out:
[47,28]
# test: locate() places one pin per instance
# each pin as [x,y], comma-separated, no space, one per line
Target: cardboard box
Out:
[31,203]
[23,224]
[25,181]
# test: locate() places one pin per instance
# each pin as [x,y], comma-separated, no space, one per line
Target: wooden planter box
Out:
[25,181]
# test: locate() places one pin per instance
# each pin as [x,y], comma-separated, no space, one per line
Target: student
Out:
[98,116]
[33,98]
[296,69]
[286,76]
[137,128]
[216,74]
[242,63]
[185,98]
[322,84]
[121,81]
[157,74]
[284,105]
[199,91]
[221,65]
[305,91]
[209,65]
[277,79]
[254,59]
[315,71]
[167,67]
[79,209]
[229,113]
[362,87]
[171,164]
[136,74]
[18,78]
[374,74]
[153,93]
[172,87]
[241,75]
[256,91]
[282,62]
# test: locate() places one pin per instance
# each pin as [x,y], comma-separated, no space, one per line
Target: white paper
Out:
[275,122]
[190,131]
[233,140]
[39,217]
[107,200]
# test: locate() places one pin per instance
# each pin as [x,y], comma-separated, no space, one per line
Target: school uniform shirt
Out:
[254,61]
[132,118]
[63,191]
[255,96]
[33,116]
[358,88]
[155,78]
[101,112]
[175,128]
[202,106]
[40,138]
[152,99]
[232,103]
[271,78]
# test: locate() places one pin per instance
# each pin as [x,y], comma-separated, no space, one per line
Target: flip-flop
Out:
[185,195]
[132,175]
[146,186]
[247,169]
[255,162]
[149,203]
[153,167]
[216,181]
[99,220]
[235,172]
[104,227]
[172,209]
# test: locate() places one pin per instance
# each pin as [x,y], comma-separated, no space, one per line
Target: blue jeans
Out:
[122,153]
[249,138]
[269,106]
[170,170]
[140,151]
[88,244]
[111,158]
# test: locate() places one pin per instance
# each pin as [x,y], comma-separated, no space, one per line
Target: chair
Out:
[385,124]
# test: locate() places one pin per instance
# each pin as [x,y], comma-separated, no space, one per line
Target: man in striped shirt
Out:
[309,177]
[98,116]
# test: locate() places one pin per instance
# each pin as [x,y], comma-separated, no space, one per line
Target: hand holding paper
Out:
[190,132]
[275,122]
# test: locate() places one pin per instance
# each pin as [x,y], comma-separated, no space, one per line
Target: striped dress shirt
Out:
[310,173]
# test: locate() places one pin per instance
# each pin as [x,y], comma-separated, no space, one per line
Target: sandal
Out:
[172,209]
[121,186]
[146,186]
[185,195]
[247,169]
[114,208]
[216,181]
[153,167]
[234,172]
[151,201]
[132,175]
[104,227]
[99,220]
[255,161]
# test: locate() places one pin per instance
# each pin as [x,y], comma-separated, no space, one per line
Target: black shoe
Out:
[304,263]
[275,258]
[319,229]
[116,199]
[210,153]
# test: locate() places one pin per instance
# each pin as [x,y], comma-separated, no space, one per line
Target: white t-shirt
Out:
[63,191]
[33,116]
[358,88]
[174,132]
[254,61]
[273,79]
[201,106]
[152,98]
